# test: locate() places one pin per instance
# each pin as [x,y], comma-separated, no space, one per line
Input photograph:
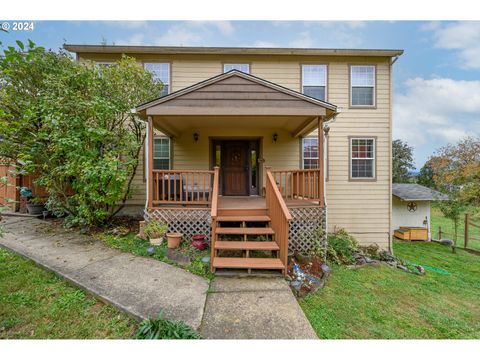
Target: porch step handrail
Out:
[302,184]
[279,215]
[182,187]
[215,191]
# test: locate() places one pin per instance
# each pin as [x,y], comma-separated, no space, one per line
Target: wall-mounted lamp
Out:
[195,137]
[275,137]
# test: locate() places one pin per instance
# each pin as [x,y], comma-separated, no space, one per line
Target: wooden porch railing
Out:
[182,187]
[299,184]
[279,215]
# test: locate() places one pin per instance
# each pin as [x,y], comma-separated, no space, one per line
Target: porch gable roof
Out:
[236,91]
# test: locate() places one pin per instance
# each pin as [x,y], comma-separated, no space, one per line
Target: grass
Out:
[386,303]
[448,229]
[35,304]
[131,243]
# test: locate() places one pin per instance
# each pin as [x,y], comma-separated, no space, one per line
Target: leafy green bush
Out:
[341,247]
[70,123]
[155,229]
[161,328]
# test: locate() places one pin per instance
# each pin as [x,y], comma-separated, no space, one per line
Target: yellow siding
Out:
[188,154]
[363,208]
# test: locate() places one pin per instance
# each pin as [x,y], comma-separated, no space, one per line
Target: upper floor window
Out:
[314,81]
[161,153]
[160,71]
[362,157]
[362,81]
[241,67]
[104,63]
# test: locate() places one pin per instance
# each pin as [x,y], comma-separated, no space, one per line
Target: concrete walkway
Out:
[139,286]
[235,308]
[253,308]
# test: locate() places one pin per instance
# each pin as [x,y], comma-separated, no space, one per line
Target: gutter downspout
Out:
[325,164]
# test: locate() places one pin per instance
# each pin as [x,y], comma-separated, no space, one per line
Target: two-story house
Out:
[265,149]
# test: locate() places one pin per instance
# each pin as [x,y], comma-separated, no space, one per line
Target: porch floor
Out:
[257,202]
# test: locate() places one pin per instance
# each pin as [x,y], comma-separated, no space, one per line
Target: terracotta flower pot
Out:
[173,240]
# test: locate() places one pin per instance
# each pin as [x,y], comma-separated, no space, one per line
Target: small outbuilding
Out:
[411,210]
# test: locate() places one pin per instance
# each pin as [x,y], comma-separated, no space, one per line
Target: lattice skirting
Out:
[307,228]
[187,221]
[306,231]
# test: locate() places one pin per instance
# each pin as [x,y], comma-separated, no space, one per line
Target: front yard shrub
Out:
[161,328]
[341,247]
[69,123]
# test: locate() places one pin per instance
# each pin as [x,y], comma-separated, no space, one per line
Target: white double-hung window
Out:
[161,153]
[314,81]
[160,71]
[362,157]
[362,85]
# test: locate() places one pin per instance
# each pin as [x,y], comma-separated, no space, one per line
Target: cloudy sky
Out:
[437,80]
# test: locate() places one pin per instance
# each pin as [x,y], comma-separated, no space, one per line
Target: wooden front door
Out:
[235,168]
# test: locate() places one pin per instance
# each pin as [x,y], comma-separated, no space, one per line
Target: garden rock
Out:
[177,257]
[206,259]
[446,242]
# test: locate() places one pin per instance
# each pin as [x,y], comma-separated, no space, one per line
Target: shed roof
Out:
[416,192]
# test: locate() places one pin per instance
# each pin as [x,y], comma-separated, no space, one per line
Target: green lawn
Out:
[448,229]
[381,302]
[35,304]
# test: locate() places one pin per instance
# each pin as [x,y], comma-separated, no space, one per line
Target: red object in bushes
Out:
[198,242]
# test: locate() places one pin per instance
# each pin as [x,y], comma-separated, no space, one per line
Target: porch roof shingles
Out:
[237,93]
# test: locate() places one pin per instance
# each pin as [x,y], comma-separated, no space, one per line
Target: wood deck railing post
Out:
[150,162]
[321,165]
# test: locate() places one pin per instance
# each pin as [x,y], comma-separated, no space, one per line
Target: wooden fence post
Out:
[467,221]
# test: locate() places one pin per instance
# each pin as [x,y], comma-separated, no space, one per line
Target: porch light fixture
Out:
[195,137]
[275,137]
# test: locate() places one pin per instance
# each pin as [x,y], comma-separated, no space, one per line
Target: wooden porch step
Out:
[247,263]
[244,231]
[247,218]
[242,212]
[246,245]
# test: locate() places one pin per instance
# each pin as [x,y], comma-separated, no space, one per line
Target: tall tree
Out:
[425,176]
[70,124]
[457,167]
[402,161]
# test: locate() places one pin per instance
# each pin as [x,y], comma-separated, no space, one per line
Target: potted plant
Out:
[198,241]
[35,206]
[155,230]
[173,240]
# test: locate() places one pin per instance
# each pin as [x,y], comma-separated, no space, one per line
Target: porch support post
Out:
[321,164]
[150,162]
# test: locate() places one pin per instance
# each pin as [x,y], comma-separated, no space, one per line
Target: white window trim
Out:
[303,150]
[104,63]
[374,87]
[169,150]
[247,64]
[169,72]
[374,152]
[325,80]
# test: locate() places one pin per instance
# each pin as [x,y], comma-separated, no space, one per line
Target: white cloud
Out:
[264,44]
[128,24]
[462,36]
[179,35]
[135,39]
[436,111]
[303,40]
